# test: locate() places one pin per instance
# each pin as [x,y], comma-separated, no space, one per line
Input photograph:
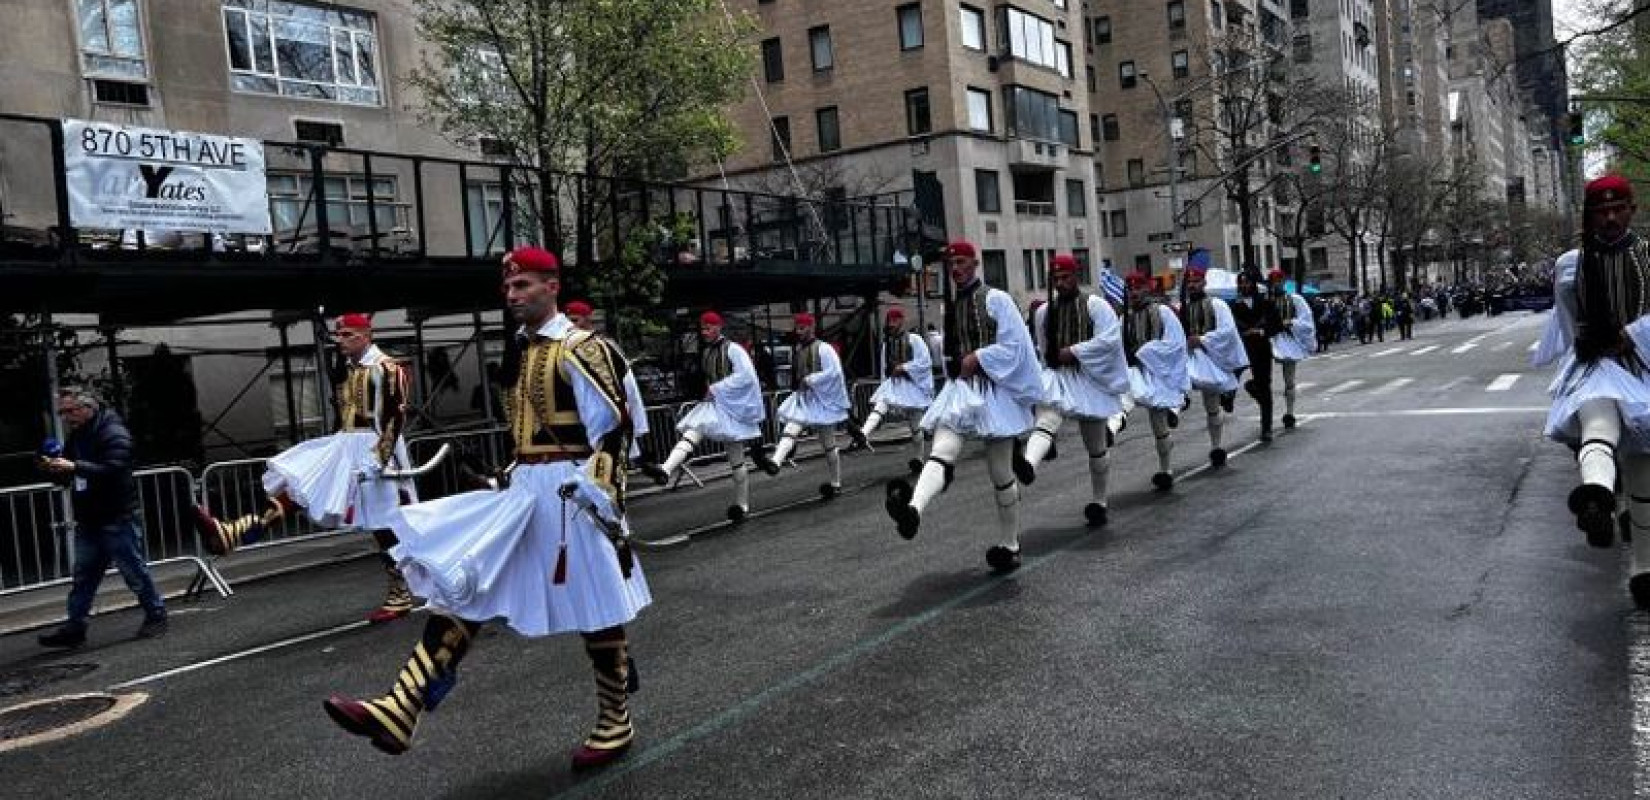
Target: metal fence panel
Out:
[34,548]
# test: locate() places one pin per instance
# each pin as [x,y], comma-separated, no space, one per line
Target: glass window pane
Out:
[335,187]
[383,188]
[343,56]
[303,50]
[910,27]
[234,26]
[973,29]
[363,60]
[127,37]
[94,30]
[979,110]
[263,51]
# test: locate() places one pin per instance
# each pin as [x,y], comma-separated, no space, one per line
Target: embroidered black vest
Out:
[1140,325]
[1065,323]
[896,350]
[545,411]
[714,361]
[969,326]
[1198,316]
[1611,283]
[807,363]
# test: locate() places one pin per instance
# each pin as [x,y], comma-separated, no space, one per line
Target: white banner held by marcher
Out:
[124,177]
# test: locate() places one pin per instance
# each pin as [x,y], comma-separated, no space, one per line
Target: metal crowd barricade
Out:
[491,446]
[661,434]
[36,551]
[167,506]
[232,489]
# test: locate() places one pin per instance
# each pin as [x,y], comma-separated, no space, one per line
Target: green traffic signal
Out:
[1315,164]
[1578,134]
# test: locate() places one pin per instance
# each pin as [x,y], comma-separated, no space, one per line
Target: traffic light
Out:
[1315,164]
[1578,135]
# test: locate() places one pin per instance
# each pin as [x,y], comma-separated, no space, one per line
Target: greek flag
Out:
[1111,286]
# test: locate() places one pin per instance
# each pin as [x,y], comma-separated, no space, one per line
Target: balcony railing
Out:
[1034,208]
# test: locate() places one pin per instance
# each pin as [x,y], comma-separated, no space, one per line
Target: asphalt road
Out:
[1389,601]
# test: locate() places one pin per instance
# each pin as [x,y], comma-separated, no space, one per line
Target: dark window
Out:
[916,111]
[330,133]
[1094,128]
[1088,73]
[123,92]
[1183,111]
[1068,128]
[773,60]
[1108,126]
[1119,224]
[1126,74]
[1177,15]
[1192,217]
[1085,274]
[819,48]
[1219,15]
[1137,172]
[995,265]
[988,199]
[1077,199]
[1033,114]
[830,136]
[493,148]
[1299,9]
[1102,30]
[1180,63]
[781,138]
[910,26]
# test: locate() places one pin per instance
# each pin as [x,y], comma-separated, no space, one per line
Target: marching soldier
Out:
[548,554]
[1080,344]
[1215,355]
[1259,320]
[1298,339]
[818,400]
[332,478]
[1156,348]
[907,383]
[994,384]
[731,413]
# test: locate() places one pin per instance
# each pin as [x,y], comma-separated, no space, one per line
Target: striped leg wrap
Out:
[426,678]
[610,660]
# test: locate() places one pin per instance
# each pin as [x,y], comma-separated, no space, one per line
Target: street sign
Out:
[1166,236]
[1177,247]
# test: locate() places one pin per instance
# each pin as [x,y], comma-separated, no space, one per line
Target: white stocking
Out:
[943,456]
[787,443]
[1094,441]
[873,419]
[1211,406]
[1600,430]
[1042,436]
[999,462]
[680,453]
[741,476]
[1289,387]
[1160,429]
[833,456]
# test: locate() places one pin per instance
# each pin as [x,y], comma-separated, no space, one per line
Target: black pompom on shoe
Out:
[1002,560]
[1595,510]
[1163,481]
[1096,515]
[898,504]
[1289,421]
[829,491]
[1217,458]
[737,514]
[915,466]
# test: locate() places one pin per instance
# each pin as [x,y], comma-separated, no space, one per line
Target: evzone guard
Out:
[582,315]
[1298,339]
[731,413]
[1214,355]
[334,479]
[1084,374]
[1155,345]
[1601,397]
[907,383]
[818,401]
[994,384]
[1259,322]
[547,554]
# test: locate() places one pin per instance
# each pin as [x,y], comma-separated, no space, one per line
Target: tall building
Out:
[853,97]
[1537,60]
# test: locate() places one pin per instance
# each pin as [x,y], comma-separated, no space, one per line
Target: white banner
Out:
[146,179]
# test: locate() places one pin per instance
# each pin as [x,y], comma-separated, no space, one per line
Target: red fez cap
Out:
[355,320]
[530,259]
[895,312]
[1608,190]
[1198,271]
[961,247]
[803,319]
[710,318]
[1063,264]
[579,308]
[1138,280]
[1275,275]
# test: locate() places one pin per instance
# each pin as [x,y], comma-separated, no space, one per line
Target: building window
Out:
[979,110]
[1033,114]
[290,201]
[1218,13]
[1030,38]
[910,26]
[125,93]
[1088,74]
[773,60]
[1077,199]
[1099,180]
[916,112]
[1192,217]
[1177,15]
[1303,48]
[1126,75]
[781,138]
[1119,224]
[1180,64]
[987,197]
[994,263]
[1109,129]
[1085,272]
[819,48]
[1068,128]
[1102,30]
[1137,172]
[111,39]
[297,50]
[1094,128]
[973,28]
[830,136]
[1183,111]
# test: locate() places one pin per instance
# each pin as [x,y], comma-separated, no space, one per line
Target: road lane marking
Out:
[1464,348]
[1534,345]
[212,662]
[1393,385]
[1304,385]
[1502,346]
[1387,352]
[1502,382]
[1426,412]
[1345,387]
[1340,356]
[1423,351]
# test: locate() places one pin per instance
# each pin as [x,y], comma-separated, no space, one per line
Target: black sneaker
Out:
[1594,507]
[152,628]
[67,637]
[1002,560]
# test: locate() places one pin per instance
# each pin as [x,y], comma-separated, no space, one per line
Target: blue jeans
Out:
[94,549]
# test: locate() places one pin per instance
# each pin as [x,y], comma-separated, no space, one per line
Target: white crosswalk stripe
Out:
[1464,348]
[1345,387]
[1387,352]
[1533,346]
[1393,385]
[1502,382]
[1423,351]
[1304,385]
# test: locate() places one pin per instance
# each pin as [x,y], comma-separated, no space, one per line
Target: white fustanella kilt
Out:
[716,424]
[323,476]
[980,413]
[902,393]
[1077,396]
[1207,376]
[1152,392]
[488,555]
[804,408]
[1606,379]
